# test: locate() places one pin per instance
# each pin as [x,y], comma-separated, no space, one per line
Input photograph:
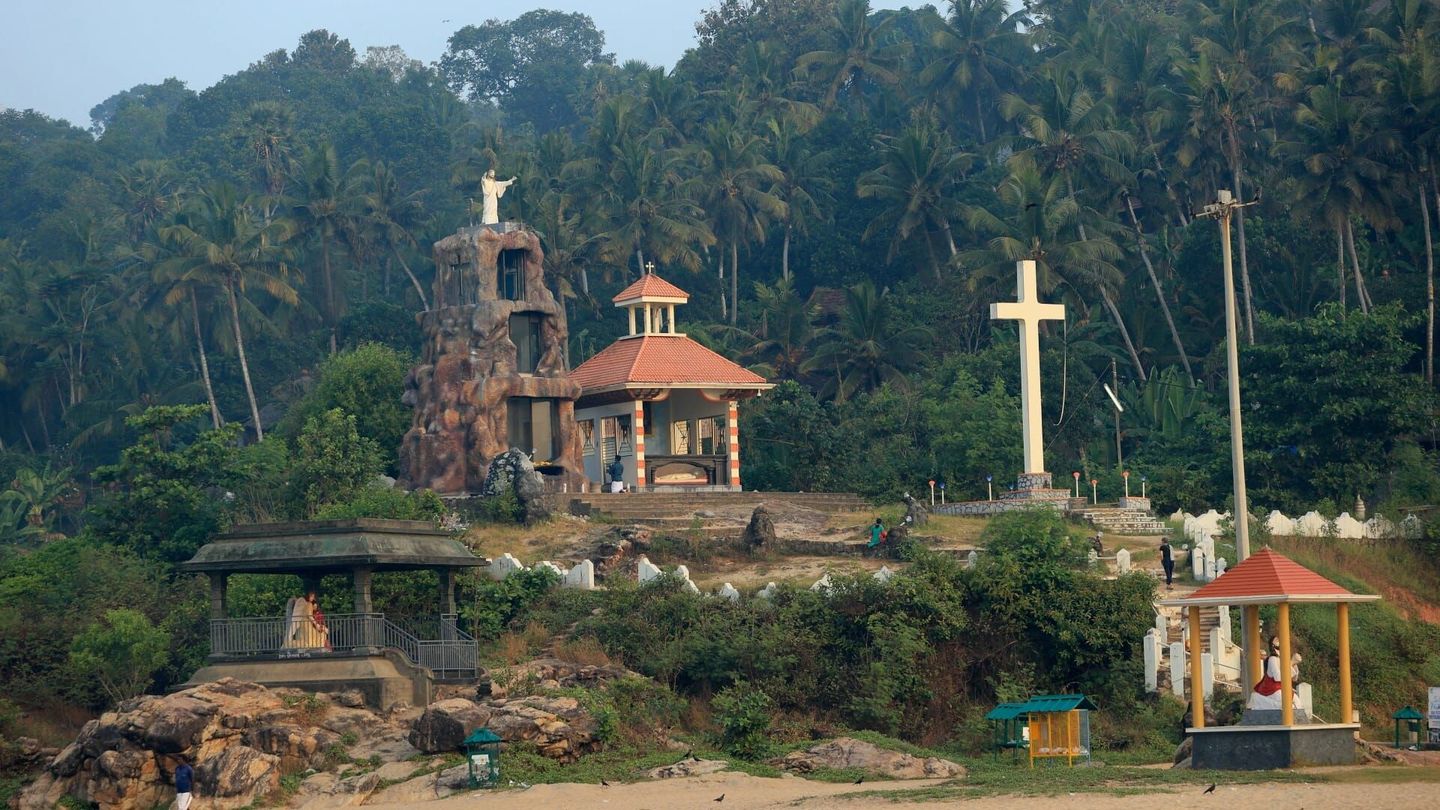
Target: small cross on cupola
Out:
[650,303]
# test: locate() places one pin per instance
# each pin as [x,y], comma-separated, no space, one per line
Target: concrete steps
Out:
[1114,520]
[677,511]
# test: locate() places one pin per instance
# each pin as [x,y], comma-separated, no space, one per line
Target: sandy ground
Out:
[742,791]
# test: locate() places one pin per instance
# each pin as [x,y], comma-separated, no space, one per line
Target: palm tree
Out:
[223,243]
[1338,164]
[324,208]
[805,185]
[738,194]
[915,182]
[639,193]
[784,332]
[860,50]
[869,346]
[268,134]
[978,47]
[1241,44]
[394,217]
[1064,133]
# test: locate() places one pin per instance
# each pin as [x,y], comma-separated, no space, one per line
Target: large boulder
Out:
[241,737]
[512,471]
[845,752]
[760,532]
[559,727]
[445,724]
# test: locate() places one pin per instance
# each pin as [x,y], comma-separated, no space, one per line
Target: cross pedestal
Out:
[1034,482]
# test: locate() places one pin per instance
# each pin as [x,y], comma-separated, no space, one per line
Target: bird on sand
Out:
[858,781]
[719,798]
[1210,789]
[603,783]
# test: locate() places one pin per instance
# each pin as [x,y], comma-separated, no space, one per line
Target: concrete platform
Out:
[1263,748]
[385,680]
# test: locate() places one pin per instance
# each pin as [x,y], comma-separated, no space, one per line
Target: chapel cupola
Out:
[651,303]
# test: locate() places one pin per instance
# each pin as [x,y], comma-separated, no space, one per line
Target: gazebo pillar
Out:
[217,594]
[360,578]
[1342,618]
[1287,687]
[1197,689]
[1254,647]
[447,590]
[732,441]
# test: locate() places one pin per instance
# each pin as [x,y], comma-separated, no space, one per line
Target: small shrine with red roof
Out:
[665,405]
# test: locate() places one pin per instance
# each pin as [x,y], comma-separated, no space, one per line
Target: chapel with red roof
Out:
[665,405]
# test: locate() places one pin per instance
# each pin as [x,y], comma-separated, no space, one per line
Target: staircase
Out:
[1114,520]
[680,510]
[1225,661]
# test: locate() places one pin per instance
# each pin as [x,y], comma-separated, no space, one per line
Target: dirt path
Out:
[751,792]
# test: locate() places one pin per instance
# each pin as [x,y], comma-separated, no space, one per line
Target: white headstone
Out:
[683,572]
[972,558]
[1378,527]
[1177,669]
[1162,624]
[645,570]
[768,591]
[1224,611]
[1122,561]
[1029,312]
[1278,524]
[1348,527]
[1311,524]
[552,568]
[1152,661]
[1197,563]
[1305,698]
[822,584]
[503,566]
[1221,566]
[1092,558]
[1207,675]
[1178,517]
[1217,644]
[581,577]
[1210,570]
[884,574]
[727,591]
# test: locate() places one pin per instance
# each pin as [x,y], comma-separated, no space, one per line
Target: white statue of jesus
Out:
[492,190]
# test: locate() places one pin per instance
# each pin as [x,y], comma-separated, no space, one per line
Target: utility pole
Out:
[1223,207]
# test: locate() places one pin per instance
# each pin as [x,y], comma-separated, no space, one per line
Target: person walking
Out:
[184,783]
[1167,561]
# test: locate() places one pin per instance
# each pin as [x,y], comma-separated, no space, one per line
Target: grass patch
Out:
[1386,775]
[523,764]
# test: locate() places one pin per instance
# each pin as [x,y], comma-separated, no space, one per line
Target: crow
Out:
[719,798]
[858,781]
[1210,789]
[688,755]
[603,783]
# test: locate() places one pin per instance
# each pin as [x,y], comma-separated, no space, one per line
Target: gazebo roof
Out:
[1040,704]
[1268,578]
[331,546]
[651,287]
[667,361]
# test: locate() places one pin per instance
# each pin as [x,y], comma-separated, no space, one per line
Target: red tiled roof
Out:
[1266,577]
[662,360]
[650,286]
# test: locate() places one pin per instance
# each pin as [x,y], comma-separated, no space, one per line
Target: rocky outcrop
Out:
[688,767]
[470,366]
[845,752]
[558,727]
[241,737]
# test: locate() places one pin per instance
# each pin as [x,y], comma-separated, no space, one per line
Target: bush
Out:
[385,502]
[744,713]
[365,383]
[121,652]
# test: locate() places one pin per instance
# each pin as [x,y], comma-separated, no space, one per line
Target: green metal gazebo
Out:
[1412,717]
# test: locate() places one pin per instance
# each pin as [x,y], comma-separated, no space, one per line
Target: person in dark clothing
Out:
[617,475]
[184,782]
[1167,561]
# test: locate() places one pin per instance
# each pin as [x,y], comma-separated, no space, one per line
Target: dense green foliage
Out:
[844,192]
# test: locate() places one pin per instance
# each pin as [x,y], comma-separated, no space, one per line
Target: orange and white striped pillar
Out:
[638,426]
[732,429]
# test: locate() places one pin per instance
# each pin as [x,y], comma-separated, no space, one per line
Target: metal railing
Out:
[451,656]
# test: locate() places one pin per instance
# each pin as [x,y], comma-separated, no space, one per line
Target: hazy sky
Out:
[63,57]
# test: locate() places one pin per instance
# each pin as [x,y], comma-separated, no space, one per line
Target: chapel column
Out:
[638,431]
[1254,647]
[732,434]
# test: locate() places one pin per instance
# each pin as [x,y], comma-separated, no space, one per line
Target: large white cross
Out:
[1029,312]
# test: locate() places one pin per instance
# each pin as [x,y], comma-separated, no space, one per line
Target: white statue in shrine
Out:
[1266,694]
[492,190]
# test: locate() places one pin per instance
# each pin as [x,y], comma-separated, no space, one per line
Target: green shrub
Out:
[385,502]
[744,714]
